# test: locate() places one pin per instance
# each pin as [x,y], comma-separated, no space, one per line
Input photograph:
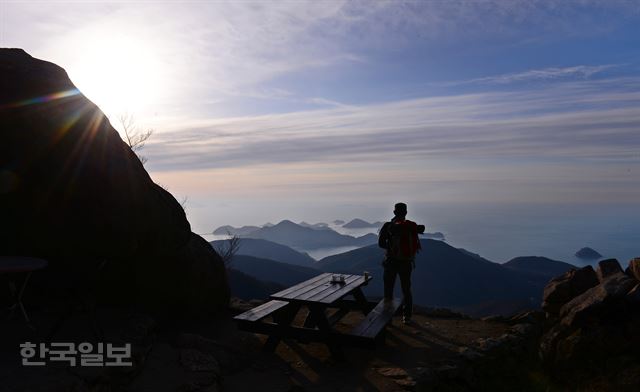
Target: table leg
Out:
[361,300]
[17,297]
[309,321]
[338,315]
[284,317]
[320,318]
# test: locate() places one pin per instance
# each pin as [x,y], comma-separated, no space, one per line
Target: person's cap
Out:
[400,208]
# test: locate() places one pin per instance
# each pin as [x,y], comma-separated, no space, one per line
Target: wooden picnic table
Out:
[317,295]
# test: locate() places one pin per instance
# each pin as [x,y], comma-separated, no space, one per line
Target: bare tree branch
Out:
[183,203]
[133,136]
[228,249]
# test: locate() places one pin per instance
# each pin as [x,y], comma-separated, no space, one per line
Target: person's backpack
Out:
[403,243]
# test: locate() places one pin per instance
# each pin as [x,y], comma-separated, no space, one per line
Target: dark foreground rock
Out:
[607,268]
[633,269]
[567,286]
[588,304]
[592,343]
[72,192]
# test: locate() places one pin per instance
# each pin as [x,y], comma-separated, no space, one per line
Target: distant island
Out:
[588,254]
[362,224]
[308,236]
[434,236]
[230,230]
[317,226]
[300,236]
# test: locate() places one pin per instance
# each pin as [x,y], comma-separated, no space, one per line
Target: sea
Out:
[502,232]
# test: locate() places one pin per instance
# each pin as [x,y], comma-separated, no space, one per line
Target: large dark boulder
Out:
[607,268]
[72,192]
[633,269]
[594,344]
[587,304]
[567,286]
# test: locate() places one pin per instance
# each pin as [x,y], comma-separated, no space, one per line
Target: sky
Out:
[335,109]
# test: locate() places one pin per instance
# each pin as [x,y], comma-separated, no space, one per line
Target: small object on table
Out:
[367,278]
[337,279]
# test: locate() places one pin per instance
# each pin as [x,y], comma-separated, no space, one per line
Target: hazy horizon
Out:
[498,232]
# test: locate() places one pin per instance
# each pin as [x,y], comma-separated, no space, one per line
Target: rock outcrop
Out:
[634,268]
[607,268]
[592,341]
[72,192]
[567,286]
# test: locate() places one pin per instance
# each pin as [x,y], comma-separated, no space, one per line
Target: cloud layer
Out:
[581,120]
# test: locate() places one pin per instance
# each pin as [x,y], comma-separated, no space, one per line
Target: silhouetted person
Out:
[400,238]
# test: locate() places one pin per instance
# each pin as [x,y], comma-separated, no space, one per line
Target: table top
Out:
[10,264]
[321,289]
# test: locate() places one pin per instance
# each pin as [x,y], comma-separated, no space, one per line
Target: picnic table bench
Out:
[317,295]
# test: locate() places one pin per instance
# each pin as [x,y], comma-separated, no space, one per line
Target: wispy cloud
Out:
[577,120]
[545,74]
[326,102]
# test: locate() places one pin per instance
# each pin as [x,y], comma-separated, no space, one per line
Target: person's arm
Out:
[416,238]
[383,237]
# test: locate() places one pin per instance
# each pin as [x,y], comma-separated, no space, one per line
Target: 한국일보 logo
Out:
[81,354]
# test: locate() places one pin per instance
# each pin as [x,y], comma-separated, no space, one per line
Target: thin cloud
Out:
[579,71]
[326,102]
[545,74]
[577,122]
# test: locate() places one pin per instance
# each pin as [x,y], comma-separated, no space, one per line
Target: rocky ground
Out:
[440,351]
[585,340]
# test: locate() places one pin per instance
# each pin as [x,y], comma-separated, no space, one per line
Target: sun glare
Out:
[119,74]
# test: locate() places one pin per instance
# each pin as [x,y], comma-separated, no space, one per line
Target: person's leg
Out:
[405,283]
[389,279]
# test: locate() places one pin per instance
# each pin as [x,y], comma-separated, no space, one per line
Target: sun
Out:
[120,74]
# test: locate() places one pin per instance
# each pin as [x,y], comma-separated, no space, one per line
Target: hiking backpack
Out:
[403,240]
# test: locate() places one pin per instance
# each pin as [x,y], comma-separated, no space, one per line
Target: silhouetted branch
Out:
[228,249]
[183,203]
[133,136]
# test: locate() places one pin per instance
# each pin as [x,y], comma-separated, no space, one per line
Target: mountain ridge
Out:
[448,277]
[257,247]
[358,223]
[299,237]
[273,271]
